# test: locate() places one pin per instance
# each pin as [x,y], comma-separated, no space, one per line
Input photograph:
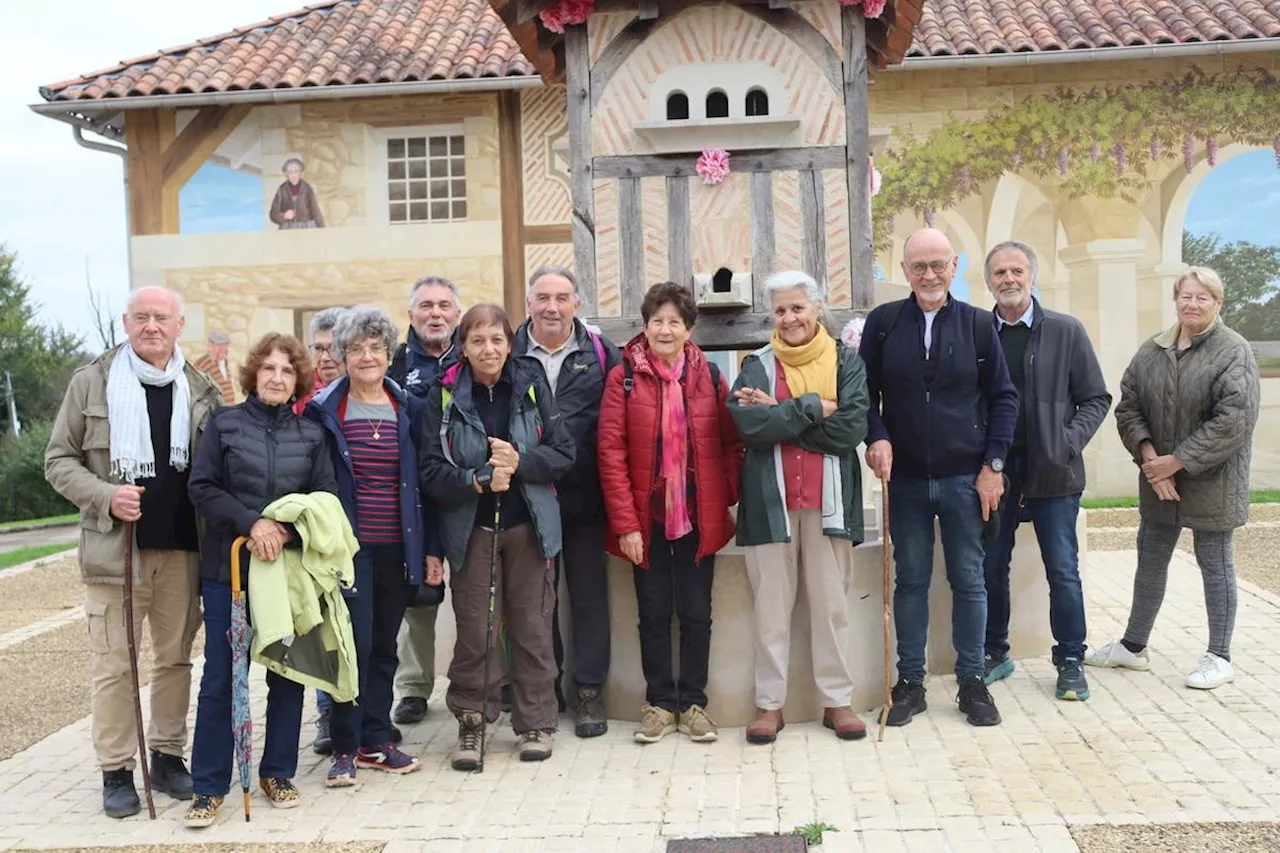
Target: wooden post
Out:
[679,232]
[577,71]
[762,236]
[146,176]
[630,245]
[861,257]
[511,174]
[813,224]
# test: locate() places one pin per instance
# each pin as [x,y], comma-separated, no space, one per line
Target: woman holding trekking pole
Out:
[670,457]
[493,446]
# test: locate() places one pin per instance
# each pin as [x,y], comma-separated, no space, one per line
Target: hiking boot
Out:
[119,797]
[536,745]
[342,772]
[202,812]
[507,698]
[323,743]
[699,727]
[591,721]
[655,724]
[466,755]
[410,710]
[1212,671]
[976,702]
[844,723]
[1114,654]
[1071,681]
[997,668]
[765,727]
[280,792]
[396,735]
[388,758]
[170,775]
[908,700]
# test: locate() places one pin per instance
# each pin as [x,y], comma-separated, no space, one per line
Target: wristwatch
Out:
[996,464]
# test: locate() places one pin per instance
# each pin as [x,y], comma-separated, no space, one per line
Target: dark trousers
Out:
[675,578]
[213,745]
[524,599]
[583,559]
[1055,524]
[955,503]
[382,594]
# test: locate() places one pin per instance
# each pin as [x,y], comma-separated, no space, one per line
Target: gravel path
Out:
[1179,838]
[40,593]
[52,535]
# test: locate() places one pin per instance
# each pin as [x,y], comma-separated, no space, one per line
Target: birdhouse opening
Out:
[717,104]
[722,280]
[677,106]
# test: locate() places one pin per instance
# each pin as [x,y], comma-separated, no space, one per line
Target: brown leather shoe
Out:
[844,722]
[765,727]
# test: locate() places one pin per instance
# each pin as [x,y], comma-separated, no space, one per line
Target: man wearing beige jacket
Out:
[120,451]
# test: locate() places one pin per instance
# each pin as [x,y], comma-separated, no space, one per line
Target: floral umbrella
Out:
[239,637]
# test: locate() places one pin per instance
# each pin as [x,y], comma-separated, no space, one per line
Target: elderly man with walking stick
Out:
[120,451]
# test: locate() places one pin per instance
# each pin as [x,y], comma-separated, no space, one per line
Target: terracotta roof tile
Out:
[328,44]
[960,27]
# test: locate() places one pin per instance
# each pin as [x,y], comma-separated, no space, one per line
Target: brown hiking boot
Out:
[765,727]
[536,745]
[844,722]
[466,755]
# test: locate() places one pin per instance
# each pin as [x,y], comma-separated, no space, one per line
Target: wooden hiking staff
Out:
[888,606]
[133,666]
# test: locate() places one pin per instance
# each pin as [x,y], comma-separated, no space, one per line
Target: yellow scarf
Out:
[811,368]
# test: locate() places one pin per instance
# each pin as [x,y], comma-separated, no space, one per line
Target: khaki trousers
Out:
[165,598]
[824,566]
[416,648]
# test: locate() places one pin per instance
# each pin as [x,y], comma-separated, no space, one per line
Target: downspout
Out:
[122,153]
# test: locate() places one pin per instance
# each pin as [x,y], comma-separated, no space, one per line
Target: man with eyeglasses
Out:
[940,424]
[434,312]
[1064,400]
[327,368]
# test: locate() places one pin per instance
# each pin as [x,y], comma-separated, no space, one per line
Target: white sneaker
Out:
[1114,654]
[1212,671]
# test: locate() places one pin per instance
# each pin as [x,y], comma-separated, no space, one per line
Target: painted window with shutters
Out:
[426,175]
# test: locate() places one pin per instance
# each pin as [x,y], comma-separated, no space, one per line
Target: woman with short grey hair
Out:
[367,419]
[1188,404]
[801,404]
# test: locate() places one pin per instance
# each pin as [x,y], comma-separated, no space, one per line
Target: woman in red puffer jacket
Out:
[670,458]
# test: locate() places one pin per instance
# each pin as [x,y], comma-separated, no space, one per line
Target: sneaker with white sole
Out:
[1114,654]
[655,724]
[695,723]
[1212,671]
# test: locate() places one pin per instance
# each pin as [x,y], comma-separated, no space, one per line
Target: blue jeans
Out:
[324,702]
[383,593]
[1055,524]
[213,746]
[914,503]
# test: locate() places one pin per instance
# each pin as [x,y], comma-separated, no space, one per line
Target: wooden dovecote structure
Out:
[780,85]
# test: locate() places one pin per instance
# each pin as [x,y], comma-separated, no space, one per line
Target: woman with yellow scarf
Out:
[801,406]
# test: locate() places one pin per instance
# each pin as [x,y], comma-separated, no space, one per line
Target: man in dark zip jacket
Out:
[940,424]
[1063,400]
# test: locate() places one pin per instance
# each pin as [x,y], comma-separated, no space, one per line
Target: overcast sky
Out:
[61,204]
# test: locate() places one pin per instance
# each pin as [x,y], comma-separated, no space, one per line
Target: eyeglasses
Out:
[371,349]
[1197,298]
[919,268]
[144,319]
[322,349]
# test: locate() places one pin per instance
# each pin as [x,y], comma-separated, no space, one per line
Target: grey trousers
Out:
[416,646]
[1213,552]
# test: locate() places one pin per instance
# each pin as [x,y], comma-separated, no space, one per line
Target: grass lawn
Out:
[1259,496]
[34,552]
[41,522]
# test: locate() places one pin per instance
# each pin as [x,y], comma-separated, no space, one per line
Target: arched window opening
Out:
[722,280]
[717,104]
[757,102]
[677,106]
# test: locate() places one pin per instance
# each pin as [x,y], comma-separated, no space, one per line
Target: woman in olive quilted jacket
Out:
[1189,402]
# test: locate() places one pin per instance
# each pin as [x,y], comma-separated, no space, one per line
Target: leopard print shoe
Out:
[202,812]
[281,792]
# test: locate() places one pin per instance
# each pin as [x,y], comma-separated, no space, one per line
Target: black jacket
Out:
[945,425]
[578,391]
[1065,399]
[414,369]
[250,455]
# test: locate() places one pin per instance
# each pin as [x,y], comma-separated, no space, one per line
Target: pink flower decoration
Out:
[851,334]
[713,165]
[564,13]
[870,8]
[874,174]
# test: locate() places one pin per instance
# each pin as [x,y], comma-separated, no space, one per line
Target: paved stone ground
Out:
[1144,750]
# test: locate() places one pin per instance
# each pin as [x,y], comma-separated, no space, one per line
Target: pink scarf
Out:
[675,448]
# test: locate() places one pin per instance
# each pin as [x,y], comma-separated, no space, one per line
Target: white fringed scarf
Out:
[132,456]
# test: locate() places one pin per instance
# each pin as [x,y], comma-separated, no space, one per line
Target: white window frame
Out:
[382,195]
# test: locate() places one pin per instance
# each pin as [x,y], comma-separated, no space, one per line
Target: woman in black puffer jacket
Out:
[250,455]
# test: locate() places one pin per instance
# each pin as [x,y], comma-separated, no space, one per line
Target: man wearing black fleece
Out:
[941,422]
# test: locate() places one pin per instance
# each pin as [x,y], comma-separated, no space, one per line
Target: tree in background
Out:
[1250,277]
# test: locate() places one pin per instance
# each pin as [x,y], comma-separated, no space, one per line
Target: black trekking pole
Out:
[488,628]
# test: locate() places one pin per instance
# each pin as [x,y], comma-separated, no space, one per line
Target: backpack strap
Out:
[598,345]
[627,381]
[983,329]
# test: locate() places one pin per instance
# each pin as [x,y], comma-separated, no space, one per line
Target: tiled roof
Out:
[329,44]
[977,27]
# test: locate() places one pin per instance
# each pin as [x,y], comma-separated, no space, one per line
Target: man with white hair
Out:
[120,451]
[215,362]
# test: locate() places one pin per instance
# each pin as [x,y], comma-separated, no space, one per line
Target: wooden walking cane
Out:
[133,666]
[888,607]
